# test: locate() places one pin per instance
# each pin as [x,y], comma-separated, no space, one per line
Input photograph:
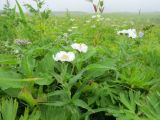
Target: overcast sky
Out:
[110,5]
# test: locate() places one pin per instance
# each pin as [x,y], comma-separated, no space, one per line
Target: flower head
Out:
[22,42]
[141,34]
[131,33]
[64,56]
[81,47]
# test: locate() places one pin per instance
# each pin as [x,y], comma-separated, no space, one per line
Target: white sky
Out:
[110,5]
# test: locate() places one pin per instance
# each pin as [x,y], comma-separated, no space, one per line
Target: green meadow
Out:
[74,66]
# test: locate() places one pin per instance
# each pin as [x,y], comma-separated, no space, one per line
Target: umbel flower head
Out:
[64,56]
[81,47]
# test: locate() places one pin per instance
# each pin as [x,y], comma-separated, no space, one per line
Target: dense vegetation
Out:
[116,78]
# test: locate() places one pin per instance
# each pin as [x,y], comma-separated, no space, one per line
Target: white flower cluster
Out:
[72,28]
[131,33]
[80,47]
[64,56]
[98,17]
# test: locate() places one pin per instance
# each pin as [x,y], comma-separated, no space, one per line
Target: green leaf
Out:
[11,79]
[26,96]
[81,103]
[73,80]
[54,113]
[45,79]
[55,93]
[56,103]
[151,106]
[35,115]
[21,12]
[27,66]
[6,83]
[8,109]
[8,59]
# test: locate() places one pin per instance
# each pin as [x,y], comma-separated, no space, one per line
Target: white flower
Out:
[64,56]
[80,47]
[132,33]
[98,16]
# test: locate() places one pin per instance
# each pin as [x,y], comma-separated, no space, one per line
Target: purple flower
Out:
[141,34]
[22,42]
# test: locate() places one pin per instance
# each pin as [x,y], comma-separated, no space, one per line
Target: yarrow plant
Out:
[98,17]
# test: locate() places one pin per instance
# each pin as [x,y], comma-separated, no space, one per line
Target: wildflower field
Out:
[79,67]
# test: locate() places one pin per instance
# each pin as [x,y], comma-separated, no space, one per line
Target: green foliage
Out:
[117,76]
[35,115]
[8,59]
[151,106]
[38,10]
[21,12]
[8,109]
